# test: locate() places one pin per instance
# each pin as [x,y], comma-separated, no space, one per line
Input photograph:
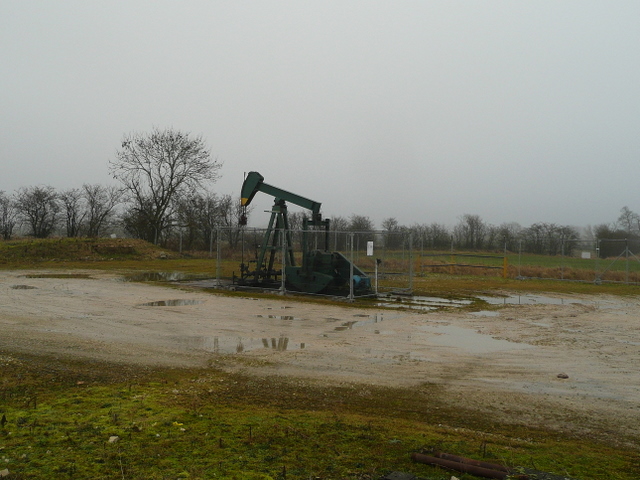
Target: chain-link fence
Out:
[395,261]
[604,260]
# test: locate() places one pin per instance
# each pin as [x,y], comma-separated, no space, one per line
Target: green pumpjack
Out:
[321,271]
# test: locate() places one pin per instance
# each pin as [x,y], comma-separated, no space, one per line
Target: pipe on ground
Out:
[462,467]
[470,461]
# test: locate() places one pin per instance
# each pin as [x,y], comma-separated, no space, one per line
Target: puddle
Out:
[59,275]
[345,326]
[436,303]
[528,300]
[470,340]
[159,277]
[541,324]
[485,313]
[423,303]
[370,320]
[171,303]
[279,317]
[280,344]
[22,287]
[230,345]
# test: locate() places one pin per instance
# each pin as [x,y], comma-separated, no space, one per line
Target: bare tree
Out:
[510,234]
[156,169]
[231,210]
[437,236]
[101,202]
[39,208]
[393,233]
[362,226]
[200,215]
[338,226]
[296,222]
[73,209]
[604,234]
[549,238]
[8,216]
[360,223]
[492,239]
[628,221]
[534,238]
[569,237]
[470,232]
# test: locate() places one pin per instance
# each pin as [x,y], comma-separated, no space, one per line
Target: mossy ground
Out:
[60,414]
[202,423]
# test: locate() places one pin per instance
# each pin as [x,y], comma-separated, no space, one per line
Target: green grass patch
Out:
[51,251]
[63,417]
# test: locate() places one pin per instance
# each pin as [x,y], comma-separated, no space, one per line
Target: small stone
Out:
[4,473]
[563,375]
[114,439]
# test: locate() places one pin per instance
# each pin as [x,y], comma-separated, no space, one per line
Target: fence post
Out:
[422,254]
[596,280]
[505,260]
[519,259]
[351,271]
[410,261]
[283,289]
[453,260]
[218,256]
[562,260]
[626,254]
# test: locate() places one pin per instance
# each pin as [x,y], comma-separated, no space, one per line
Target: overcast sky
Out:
[517,111]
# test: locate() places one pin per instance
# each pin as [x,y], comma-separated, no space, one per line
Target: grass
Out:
[26,253]
[60,414]
[202,424]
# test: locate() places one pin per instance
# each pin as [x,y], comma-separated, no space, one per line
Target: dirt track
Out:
[504,363]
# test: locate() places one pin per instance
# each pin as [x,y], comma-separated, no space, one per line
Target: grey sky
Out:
[520,111]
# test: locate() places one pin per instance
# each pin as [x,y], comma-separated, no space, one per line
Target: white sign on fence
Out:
[370,249]
[586,255]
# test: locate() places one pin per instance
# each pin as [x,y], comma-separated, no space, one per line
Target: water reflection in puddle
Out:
[423,303]
[485,313]
[370,320]
[230,345]
[470,340]
[280,344]
[160,277]
[279,317]
[171,303]
[528,300]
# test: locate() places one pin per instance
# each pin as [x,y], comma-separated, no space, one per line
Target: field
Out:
[97,383]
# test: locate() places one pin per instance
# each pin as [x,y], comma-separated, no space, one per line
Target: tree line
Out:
[165,180]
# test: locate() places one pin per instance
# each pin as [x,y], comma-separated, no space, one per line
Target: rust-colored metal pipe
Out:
[460,467]
[470,461]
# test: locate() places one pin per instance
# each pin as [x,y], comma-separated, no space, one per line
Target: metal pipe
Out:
[461,467]
[470,461]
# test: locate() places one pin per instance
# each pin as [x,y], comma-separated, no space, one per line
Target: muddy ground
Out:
[504,362]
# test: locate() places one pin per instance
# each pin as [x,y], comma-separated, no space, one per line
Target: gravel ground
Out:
[570,363]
